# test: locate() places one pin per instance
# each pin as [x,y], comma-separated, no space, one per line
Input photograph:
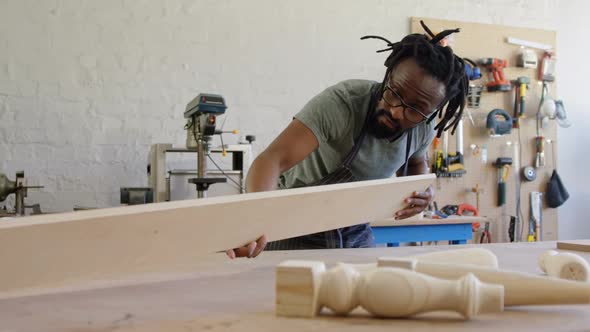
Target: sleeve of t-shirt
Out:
[327,114]
[427,136]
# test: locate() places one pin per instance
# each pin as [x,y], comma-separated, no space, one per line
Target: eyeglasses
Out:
[393,99]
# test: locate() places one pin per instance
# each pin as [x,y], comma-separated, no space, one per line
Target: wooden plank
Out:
[222,295]
[577,245]
[74,248]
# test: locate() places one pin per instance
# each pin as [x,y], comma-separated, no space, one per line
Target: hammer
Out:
[521,85]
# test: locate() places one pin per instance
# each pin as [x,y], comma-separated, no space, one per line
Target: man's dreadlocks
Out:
[440,62]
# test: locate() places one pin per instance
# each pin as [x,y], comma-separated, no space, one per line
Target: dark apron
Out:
[357,236]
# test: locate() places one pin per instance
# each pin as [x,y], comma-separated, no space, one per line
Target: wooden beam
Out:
[575,245]
[75,248]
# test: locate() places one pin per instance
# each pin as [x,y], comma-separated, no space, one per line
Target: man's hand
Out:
[416,203]
[250,250]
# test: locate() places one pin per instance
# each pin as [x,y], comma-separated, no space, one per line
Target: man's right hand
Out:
[250,250]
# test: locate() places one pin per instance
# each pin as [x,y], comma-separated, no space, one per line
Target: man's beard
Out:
[381,130]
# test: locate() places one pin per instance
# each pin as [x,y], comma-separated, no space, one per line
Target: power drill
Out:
[495,67]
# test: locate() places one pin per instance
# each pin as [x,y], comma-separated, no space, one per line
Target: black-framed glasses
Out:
[393,99]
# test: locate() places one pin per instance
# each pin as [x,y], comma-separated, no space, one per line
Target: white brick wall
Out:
[86,86]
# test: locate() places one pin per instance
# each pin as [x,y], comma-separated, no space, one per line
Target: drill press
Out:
[19,189]
[202,114]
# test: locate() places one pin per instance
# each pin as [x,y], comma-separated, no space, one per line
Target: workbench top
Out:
[220,294]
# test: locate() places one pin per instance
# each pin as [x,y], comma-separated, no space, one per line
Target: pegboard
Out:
[476,41]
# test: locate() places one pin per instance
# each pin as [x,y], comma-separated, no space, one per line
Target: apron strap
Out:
[359,140]
[408,148]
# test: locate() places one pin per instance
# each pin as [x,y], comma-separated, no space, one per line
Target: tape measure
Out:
[529,173]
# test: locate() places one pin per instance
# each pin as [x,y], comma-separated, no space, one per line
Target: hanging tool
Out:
[435,143]
[499,122]
[528,43]
[477,191]
[515,220]
[503,166]
[498,81]
[485,234]
[520,87]
[547,68]
[473,93]
[529,173]
[536,217]
[474,90]
[471,69]
[450,164]
[455,160]
[532,226]
[527,58]
[512,229]
[540,157]
[473,100]
[539,144]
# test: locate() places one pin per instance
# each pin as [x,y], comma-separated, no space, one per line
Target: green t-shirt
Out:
[336,117]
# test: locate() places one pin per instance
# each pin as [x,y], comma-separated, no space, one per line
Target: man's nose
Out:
[397,112]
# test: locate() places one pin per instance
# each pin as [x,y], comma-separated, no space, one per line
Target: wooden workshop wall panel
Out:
[476,41]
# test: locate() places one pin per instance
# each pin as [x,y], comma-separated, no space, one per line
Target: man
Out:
[361,130]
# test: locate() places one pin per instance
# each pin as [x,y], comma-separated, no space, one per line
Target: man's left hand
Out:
[416,203]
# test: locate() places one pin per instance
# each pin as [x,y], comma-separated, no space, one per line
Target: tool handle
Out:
[522,93]
[501,193]
[512,228]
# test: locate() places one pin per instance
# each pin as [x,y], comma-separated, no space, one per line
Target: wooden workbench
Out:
[239,296]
